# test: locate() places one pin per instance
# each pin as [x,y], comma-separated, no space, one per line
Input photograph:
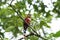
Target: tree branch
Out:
[11,2]
[27,36]
[31,35]
[43,32]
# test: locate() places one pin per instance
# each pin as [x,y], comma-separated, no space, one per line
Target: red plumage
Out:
[26,23]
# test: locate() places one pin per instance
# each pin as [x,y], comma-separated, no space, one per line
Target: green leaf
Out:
[43,23]
[2,34]
[5,38]
[35,7]
[33,38]
[29,1]
[20,5]
[15,31]
[57,34]
[42,7]
[9,28]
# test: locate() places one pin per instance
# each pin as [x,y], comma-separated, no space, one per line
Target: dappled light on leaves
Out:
[13,13]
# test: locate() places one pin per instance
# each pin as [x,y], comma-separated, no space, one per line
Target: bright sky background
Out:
[55,25]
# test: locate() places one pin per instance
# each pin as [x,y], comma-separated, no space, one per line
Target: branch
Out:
[31,35]
[43,32]
[27,36]
[11,2]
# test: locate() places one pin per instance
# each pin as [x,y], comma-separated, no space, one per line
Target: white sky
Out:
[55,25]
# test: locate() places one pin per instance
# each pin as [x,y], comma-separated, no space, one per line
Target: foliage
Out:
[57,34]
[10,21]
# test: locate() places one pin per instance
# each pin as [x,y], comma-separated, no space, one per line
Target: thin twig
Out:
[43,32]
[11,2]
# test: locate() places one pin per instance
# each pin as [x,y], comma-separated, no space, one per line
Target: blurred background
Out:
[45,15]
